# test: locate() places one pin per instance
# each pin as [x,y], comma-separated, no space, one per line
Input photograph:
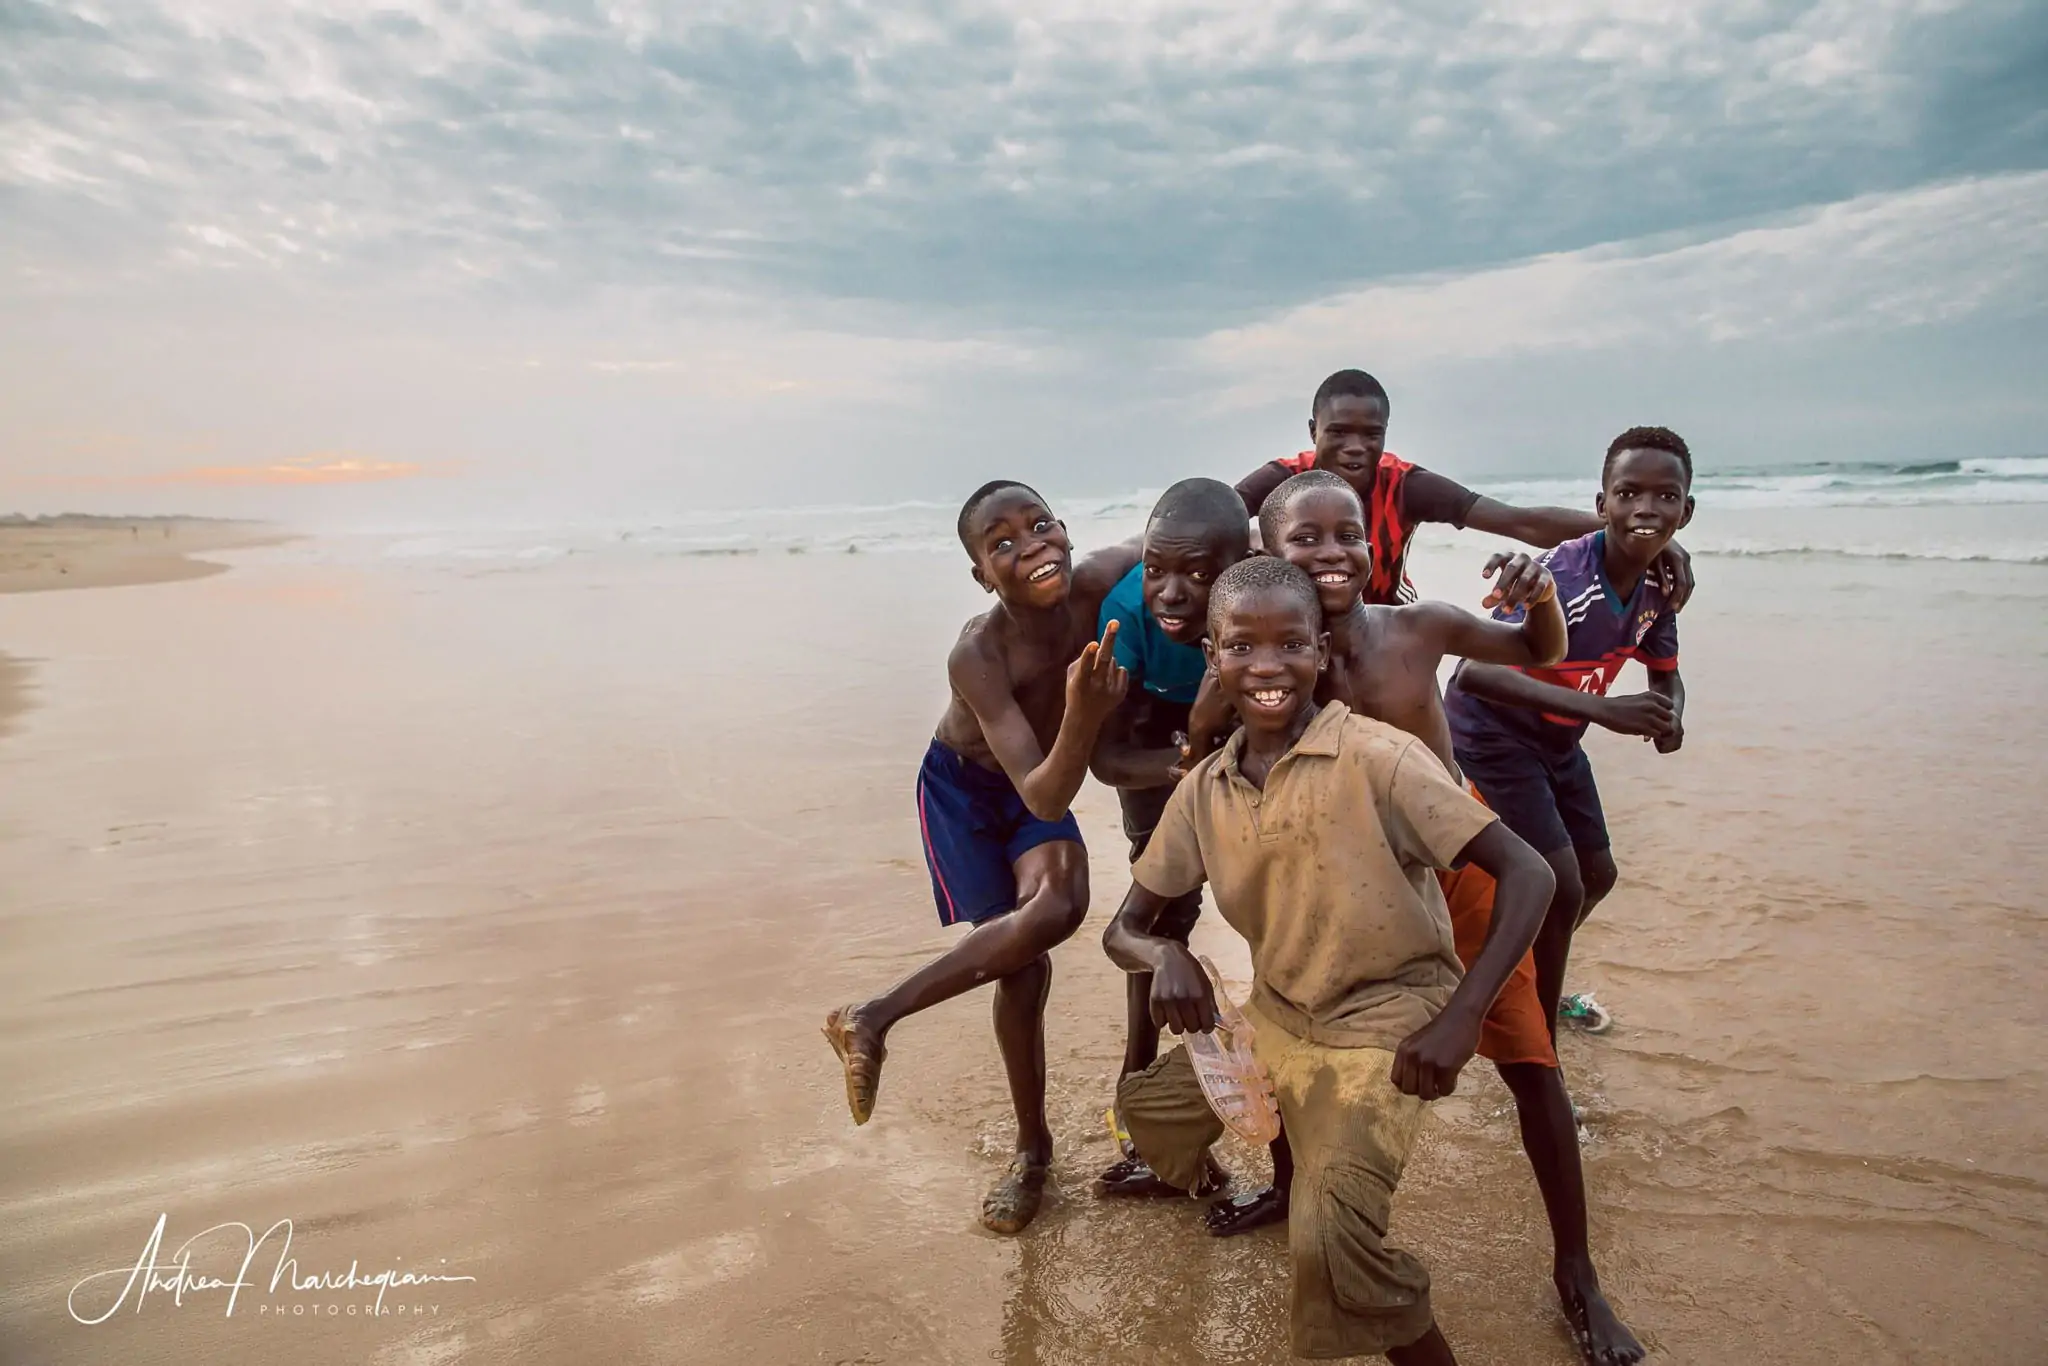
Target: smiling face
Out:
[1021,552]
[1322,533]
[1181,564]
[1646,498]
[1350,432]
[1267,648]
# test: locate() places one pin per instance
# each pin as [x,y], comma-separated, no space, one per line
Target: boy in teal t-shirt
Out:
[1196,531]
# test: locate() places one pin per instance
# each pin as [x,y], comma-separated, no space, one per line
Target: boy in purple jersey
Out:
[1517,731]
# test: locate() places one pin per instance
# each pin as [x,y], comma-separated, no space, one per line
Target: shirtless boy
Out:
[1031,688]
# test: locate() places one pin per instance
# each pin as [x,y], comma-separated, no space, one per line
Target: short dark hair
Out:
[1256,575]
[980,496]
[1648,439]
[1349,384]
[1211,509]
[1276,502]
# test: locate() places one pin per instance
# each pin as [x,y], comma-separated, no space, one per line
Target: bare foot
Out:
[1603,1339]
[860,1050]
[1247,1212]
[1012,1203]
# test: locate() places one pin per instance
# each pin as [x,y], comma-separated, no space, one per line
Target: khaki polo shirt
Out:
[1329,873]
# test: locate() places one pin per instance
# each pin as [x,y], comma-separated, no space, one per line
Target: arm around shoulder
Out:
[1538,526]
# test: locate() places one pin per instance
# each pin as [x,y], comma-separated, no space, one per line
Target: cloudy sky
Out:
[347,262]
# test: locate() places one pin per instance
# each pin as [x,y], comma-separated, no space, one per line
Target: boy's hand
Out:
[1674,573]
[1428,1061]
[1523,582]
[1669,742]
[1096,683]
[1647,714]
[1210,720]
[1182,999]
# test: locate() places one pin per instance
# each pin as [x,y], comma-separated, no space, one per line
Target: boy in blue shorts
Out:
[1160,610]
[1031,688]
[1516,732]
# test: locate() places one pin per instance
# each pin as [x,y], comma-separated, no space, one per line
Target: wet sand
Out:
[489,916]
[111,552]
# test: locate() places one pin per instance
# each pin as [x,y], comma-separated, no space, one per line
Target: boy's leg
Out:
[1522,787]
[1130,1174]
[1352,1130]
[1553,948]
[1597,874]
[1142,808]
[1052,892]
[1020,1034]
[1583,866]
[1243,1213]
[1550,1136]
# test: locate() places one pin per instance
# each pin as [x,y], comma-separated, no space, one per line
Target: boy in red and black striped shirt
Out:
[1347,427]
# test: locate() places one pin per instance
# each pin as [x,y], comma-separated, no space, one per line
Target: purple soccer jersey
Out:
[1605,633]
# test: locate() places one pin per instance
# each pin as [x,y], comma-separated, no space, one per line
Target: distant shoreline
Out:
[75,550]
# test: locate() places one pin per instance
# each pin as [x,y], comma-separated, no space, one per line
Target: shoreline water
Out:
[516,957]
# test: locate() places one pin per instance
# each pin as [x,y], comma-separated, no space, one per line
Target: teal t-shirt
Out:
[1161,666]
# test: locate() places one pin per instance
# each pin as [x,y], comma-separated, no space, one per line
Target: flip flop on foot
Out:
[1602,1338]
[1012,1203]
[1243,1213]
[861,1053]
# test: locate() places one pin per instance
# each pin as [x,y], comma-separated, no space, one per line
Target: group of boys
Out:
[1408,869]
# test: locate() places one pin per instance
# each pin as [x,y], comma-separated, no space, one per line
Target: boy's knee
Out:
[1597,875]
[1168,1118]
[1570,894]
[1052,888]
[1056,907]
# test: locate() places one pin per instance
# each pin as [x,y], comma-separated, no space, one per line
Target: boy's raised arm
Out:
[1256,486]
[1543,527]
[1046,782]
[1548,527]
[1539,638]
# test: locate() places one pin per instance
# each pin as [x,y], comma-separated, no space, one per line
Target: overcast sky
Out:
[349,262]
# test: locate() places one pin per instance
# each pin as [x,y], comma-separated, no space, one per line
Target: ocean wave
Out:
[1966,509]
[1961,481]
[1953,554]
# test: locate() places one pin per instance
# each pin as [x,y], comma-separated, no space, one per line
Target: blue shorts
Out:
[1549,799]
[975,829]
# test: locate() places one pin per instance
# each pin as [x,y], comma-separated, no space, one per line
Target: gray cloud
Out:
[979,165]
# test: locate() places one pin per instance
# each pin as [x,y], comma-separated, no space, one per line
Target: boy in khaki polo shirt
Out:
[1319,833]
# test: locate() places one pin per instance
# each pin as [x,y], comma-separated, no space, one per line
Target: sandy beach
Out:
[47,553]
[477,916]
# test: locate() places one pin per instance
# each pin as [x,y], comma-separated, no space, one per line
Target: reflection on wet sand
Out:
[488,917]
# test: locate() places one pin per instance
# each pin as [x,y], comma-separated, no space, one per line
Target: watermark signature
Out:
[285,1295]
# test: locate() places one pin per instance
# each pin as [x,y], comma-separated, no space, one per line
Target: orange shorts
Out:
[1515,1030]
